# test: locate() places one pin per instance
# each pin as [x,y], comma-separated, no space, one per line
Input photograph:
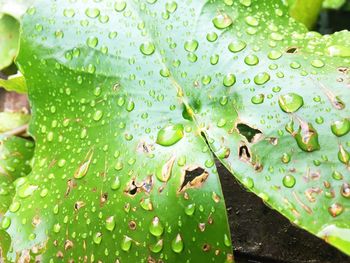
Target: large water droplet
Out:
[191,46]
[251,60]
[290,102]
[156,228]
[289,181]
[335,209]
[110,223]
[157,247]
[307,137]
[236,46]
[170,135]
[126,244]
[147,48]
[229,80]
[177,244]
[222,21]
[261,78]
[341,128]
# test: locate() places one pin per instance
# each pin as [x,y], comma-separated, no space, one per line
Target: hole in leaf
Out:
[244,153]
[194,178]
[292,50]
[251,134]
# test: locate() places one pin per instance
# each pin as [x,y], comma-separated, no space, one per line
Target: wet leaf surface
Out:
[119,113]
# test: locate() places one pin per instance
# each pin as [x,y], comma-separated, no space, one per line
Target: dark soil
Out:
[260,234]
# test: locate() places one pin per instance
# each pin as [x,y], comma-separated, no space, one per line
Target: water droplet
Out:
[227,241]
[6,222]
[191,46]
[170,135]
[317,63]
[177,244]
[147,48]
[335,209]
[97,238]
[126,244]
[341,128]
[252,21]
[211,37]
[98,115]
[251,60]
[146,204]
[343,155]
[110,223]
[307,137]
[338,51]
[156,228]
[261,78]
[157,247]
[92,42]
[246,2]
[92,12]
[116,183]
[290,102]
[345,190]
[119,6]
[84,167]
[289,181]
[337,175]
[26,190]
[190,209]
[222,21]
[14,207]
[229,80]
[273,55]
[237,46]
[258,99]
[171,6]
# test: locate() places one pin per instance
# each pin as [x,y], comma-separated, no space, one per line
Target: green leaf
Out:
[15,8]
[333,4]
[9,36]
[12,120]
[15,83]
[15,155]
[305,12]
[122,93]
